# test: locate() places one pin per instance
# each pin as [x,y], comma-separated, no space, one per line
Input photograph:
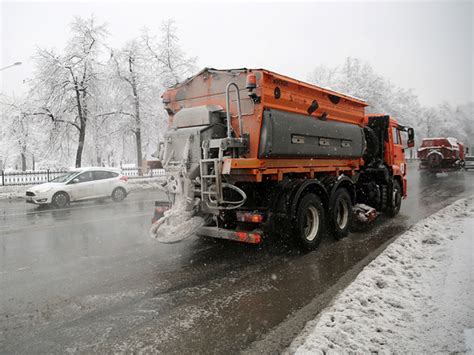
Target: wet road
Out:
[89,279]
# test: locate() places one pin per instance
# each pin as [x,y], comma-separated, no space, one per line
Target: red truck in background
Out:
[441,155]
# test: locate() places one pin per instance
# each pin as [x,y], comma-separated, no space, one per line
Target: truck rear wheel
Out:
[310,221]
[340,214]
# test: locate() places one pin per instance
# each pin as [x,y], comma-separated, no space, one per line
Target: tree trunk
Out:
[138,138]
[23,161]
[82,124]
[80,145]
[137,131]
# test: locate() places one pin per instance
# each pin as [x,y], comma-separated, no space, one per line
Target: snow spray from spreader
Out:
[176,224]
[180,222]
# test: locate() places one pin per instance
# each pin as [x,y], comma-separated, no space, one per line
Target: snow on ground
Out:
[12,192]
[135,184]
[139,184]
[416,297]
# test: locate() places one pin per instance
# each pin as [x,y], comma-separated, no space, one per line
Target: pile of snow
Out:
[12,192]
[146,183]
[416,297]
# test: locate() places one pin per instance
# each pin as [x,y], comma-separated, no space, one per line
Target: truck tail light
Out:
[251,82]
[124,178]
[250,217]
[161,209]
[249,237]
[166,98]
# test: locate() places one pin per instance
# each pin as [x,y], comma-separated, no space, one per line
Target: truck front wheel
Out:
[396,200]
[310,221]
[340,213]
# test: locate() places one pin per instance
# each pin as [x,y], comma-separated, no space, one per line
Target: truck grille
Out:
[29,193]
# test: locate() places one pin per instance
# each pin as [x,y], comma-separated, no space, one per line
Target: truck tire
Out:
[396,200]
[310,222]
[340,214]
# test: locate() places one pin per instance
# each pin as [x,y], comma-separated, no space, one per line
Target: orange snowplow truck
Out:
[257,153]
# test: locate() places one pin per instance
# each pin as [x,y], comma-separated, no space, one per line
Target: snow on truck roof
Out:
[451,140]
[299,82]
[436,140]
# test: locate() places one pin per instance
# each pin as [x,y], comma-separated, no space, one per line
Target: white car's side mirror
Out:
[75,181]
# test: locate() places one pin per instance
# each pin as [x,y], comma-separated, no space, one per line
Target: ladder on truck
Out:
[211,181]
[211,168]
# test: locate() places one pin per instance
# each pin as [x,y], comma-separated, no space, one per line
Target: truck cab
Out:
[383,183]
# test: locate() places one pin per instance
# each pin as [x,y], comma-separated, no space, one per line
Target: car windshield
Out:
[65,177]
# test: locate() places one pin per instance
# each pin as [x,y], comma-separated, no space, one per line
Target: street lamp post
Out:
[12,65]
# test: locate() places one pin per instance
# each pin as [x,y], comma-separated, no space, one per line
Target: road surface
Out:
[89,279]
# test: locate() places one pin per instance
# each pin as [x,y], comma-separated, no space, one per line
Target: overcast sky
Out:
[427,46]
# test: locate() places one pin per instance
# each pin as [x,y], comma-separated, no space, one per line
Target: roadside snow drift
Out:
[415,297]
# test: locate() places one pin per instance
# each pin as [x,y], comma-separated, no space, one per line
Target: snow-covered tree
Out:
[171,64]
[90,103]
[20,137]
[66,83]
[141,70]
[357,78]
[132,77]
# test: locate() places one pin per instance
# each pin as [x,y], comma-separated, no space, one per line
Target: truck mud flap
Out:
[252,237]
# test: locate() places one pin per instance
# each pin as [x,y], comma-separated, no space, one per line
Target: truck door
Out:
[398,152]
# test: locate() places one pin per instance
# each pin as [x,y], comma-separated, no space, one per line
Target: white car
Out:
[78,185]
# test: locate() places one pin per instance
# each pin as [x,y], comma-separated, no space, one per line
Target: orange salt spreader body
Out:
[253,150]
[272,92]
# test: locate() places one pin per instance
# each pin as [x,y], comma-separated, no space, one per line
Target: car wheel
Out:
[60,199]
[341,214]
[310,221]
[119,194]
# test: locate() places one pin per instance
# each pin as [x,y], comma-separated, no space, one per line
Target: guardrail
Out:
[469,160]
[23,178]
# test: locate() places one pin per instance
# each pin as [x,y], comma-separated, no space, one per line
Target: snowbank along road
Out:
[88,278]
[417,297]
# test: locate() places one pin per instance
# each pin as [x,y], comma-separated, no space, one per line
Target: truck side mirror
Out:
[160,150]
[157,153]
[411,138]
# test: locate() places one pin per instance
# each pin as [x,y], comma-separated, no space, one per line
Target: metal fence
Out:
[133,173]
[21,178]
